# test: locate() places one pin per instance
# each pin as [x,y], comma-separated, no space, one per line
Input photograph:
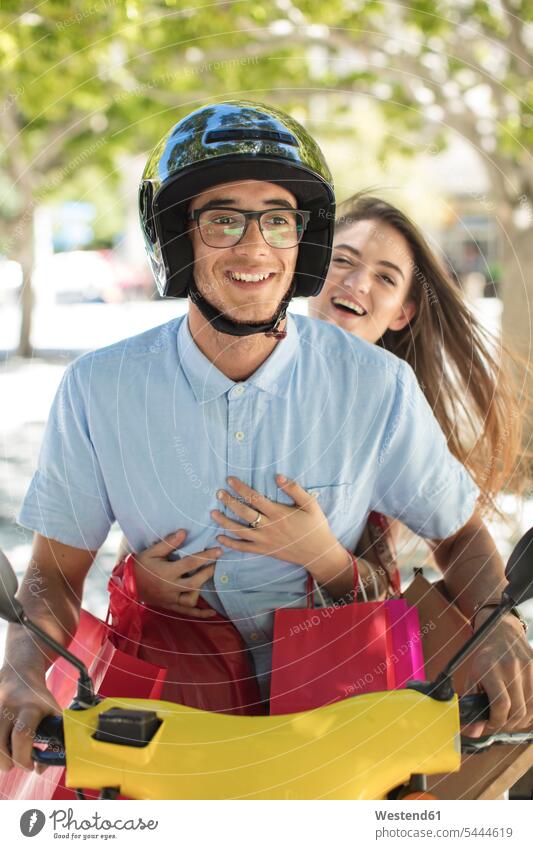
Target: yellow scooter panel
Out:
[358,748]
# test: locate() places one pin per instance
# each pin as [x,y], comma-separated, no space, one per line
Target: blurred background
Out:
[427,103]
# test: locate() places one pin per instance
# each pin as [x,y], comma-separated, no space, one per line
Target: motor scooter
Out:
[370,746]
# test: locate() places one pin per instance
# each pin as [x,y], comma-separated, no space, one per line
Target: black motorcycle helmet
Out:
[225,142]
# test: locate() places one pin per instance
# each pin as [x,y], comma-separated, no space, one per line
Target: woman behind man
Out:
[387,286]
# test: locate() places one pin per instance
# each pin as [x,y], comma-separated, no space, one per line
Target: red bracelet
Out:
[353,560]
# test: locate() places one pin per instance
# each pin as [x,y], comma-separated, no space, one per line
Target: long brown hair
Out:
[463,370]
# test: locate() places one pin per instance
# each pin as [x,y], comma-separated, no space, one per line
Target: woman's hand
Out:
[503,664]
[162,582]
[297,533]
[503,667]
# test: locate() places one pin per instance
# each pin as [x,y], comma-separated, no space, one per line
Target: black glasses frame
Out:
[251,215]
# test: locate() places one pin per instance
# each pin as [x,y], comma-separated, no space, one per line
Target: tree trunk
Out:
[517,320]
[25,256]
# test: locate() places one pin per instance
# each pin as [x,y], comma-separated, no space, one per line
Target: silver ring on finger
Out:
[256,522]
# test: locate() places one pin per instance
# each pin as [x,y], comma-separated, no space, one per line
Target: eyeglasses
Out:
[224,228]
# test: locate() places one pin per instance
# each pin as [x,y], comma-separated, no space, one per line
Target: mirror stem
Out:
[85,695]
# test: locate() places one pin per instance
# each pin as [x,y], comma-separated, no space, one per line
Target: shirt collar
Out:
[208,383]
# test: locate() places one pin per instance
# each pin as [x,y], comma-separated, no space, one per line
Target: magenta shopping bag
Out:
[324,655]
[407,656]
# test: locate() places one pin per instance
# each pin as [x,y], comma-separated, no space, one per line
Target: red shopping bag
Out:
[204,663]
[141,652]
[327,654]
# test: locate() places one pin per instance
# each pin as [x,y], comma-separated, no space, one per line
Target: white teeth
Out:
[249,278]
[349,305]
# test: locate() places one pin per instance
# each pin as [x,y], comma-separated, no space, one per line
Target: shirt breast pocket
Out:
[336,501]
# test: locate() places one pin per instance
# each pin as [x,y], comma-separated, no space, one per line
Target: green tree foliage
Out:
[84,83]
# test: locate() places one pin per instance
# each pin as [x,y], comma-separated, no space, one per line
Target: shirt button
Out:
[239,436]
[254,636]
[238,390]
[224,579]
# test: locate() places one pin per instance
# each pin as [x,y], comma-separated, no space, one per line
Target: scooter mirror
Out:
[10,608]
[519,571]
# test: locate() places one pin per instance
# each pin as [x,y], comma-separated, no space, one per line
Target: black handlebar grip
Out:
[474,708]
[49,757]
[50,730]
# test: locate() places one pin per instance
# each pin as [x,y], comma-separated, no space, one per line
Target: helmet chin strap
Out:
[224,324]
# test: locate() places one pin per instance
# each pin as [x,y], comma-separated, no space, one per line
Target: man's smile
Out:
[249,278]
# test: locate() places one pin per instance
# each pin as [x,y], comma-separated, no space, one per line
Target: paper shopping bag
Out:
[323,655]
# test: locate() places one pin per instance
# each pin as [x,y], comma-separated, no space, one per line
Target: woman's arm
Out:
[300,534]
[473,573]
[472,569]
[297,533]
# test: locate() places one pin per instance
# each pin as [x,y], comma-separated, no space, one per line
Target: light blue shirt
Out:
[147,430]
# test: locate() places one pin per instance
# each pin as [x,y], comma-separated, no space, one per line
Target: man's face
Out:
[219,272]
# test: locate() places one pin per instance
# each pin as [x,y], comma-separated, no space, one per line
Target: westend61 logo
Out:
[65,825]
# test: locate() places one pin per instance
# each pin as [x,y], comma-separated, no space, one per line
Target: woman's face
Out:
[366,290]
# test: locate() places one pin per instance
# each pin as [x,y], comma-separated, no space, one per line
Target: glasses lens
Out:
[282,228]
[221,228]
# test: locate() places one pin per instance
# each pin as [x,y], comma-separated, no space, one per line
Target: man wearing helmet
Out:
[237,210]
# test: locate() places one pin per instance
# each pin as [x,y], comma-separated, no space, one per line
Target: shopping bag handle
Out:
[123,596]
[310,592]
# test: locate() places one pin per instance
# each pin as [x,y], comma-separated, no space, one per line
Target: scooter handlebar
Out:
[50,731]
[473,708]
[476,707]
